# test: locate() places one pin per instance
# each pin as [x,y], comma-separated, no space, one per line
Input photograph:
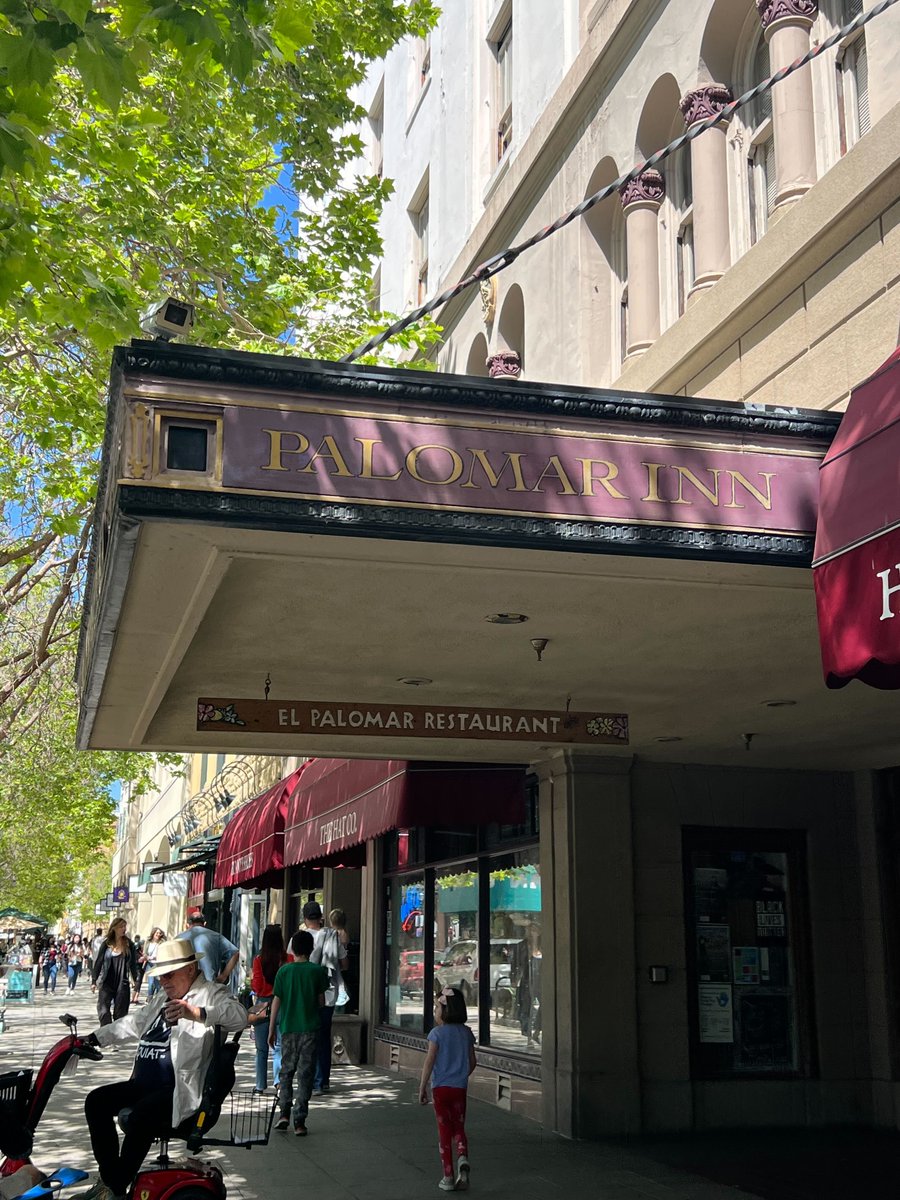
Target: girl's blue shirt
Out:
[451,1067]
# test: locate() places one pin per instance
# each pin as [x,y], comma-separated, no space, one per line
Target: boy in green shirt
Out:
[298,994]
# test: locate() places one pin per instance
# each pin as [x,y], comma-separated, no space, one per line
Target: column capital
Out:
[704,102]
[567,762]
[649,188]
[802,11]
[505,364]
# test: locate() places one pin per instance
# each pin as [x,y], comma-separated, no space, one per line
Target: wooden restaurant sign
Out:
[412,720]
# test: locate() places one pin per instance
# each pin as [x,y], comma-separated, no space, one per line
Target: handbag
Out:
[259,1011]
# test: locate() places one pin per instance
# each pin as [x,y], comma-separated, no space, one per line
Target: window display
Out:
[473,924]
[405,952]
[741,896]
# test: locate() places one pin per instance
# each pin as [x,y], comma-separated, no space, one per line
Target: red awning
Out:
[252,845]
[343,802]
[856,568]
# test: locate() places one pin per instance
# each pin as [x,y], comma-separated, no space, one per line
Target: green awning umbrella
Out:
[15,919]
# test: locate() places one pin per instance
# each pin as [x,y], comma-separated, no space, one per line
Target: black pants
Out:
[118,1001]
[151,1117]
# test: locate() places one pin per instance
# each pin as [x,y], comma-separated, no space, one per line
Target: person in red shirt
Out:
[265,967]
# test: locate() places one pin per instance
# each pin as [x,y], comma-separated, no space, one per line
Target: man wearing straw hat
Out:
[175,1032]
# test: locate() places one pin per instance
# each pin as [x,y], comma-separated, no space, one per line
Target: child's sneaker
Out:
[447,1184]
[462,1174]
[282,1122]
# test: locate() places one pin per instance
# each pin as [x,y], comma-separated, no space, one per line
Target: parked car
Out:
[411,974]
[457,966]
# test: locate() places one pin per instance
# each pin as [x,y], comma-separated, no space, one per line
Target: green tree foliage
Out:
[55,806]
[146,150]
[150,149]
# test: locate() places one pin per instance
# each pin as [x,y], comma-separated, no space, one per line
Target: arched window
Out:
[599,281]
[761,177]
[852,64]
[678,218]
[476,363]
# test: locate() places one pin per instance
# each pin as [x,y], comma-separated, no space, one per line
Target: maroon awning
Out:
[251,850]
[342,802]
[856,567]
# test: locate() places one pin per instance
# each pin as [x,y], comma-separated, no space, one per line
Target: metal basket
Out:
[14,1089]
[252,1117]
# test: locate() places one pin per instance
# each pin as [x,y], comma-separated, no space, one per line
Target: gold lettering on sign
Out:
[653,470]
[588,478]
[711,494]
[412,465]
[368,453]
[277,447]
[763,498]
[554,465]
[512,459]
[327,451]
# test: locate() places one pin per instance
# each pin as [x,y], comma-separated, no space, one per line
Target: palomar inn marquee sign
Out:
[416,721]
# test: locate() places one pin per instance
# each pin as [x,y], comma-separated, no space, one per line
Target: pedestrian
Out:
[331,953]
[74,960]
[96,947]
[114,968]
[49,964]
[262,980]
[151,952]
[449,1063]
[219,956]
[297,1003]
[141,966]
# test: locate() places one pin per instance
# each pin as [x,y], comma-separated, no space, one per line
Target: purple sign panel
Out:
[504,465]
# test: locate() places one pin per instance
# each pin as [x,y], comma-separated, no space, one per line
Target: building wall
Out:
[799,317]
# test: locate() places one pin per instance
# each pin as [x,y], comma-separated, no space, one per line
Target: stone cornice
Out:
[771,11]
[705,102]
[648,188]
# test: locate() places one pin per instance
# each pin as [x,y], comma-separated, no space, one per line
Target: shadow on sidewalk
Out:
[824,1164]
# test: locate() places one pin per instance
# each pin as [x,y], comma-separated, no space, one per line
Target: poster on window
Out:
[765,1042]
[716,1012]
[770,919]
[746,964]
[714,953]
[709,893]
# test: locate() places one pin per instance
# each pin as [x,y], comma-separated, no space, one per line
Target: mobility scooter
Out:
[22,1103]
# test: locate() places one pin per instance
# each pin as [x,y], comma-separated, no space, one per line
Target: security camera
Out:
[168,318]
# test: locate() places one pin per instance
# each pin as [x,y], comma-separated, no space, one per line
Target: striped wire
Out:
[505,258]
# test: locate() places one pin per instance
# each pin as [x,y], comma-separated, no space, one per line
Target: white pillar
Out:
[787,24]
[709,184]
[641,199]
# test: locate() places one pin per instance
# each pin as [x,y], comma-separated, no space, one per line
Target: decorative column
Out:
[709,185]
[787,24]
[641,199]
[505,364]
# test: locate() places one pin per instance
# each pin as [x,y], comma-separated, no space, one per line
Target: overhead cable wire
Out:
[499,262]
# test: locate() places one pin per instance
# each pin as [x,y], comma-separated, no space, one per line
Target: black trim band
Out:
[528,533]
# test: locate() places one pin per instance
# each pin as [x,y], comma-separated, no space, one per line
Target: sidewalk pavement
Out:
[370,1139]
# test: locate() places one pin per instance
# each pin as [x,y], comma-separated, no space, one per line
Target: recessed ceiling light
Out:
[414,680]
[506,618]
[669,739]
[779,703]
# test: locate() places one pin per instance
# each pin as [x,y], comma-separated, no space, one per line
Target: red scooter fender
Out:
[188,1180]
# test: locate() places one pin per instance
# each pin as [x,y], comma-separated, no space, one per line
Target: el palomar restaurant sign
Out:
[419,721]
[536,469]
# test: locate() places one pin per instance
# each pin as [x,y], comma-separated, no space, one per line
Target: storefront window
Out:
[456,934]
[405,956]
[514,888]
[743,934]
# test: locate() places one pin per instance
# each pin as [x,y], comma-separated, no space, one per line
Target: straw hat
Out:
[173,955]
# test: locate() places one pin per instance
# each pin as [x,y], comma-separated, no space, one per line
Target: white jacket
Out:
[192,1041]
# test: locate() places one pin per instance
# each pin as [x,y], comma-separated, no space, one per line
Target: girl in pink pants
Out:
[448,1064]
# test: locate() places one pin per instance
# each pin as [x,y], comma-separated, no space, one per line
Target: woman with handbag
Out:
[265,967]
